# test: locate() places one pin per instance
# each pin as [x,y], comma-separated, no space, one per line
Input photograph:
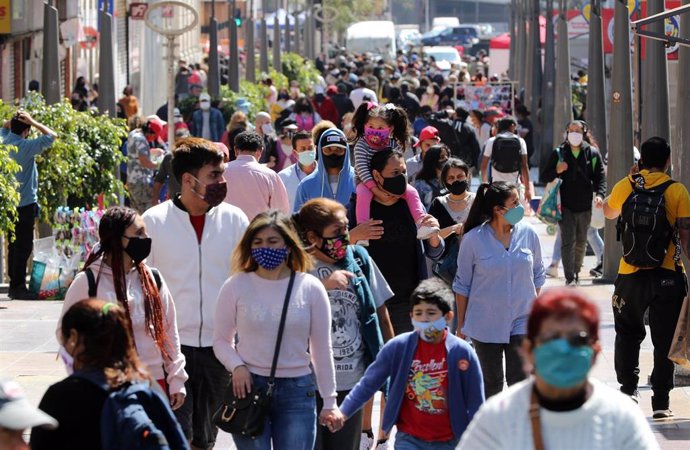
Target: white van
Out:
[373,36]
[444,22]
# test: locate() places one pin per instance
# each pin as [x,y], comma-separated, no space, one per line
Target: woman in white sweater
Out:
[249,308]
[571,411]
[120,276]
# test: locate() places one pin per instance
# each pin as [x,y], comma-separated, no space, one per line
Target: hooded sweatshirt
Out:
[317,184]
[148,351]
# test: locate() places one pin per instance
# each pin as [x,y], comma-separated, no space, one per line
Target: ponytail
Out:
[488,197]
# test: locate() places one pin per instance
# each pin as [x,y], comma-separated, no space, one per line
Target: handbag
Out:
[447,267]
[246,416]
[679,352]
[549,209]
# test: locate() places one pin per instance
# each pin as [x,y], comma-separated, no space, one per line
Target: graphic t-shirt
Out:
[424,411]
[346,328]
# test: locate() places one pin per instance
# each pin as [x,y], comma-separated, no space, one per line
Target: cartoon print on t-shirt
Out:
[425,386]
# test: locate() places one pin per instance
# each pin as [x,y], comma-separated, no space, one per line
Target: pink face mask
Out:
[377,138]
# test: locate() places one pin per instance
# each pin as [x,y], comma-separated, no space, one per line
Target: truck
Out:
[372,36]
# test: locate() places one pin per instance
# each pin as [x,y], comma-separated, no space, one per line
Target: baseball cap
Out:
[16,413]
[332,90]
[427,133]
[204,97]
[333,137]
[177,113]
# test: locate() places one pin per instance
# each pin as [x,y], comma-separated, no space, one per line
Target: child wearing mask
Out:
[380,127]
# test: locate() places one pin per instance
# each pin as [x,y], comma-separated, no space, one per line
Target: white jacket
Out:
[148,351]
[194,272]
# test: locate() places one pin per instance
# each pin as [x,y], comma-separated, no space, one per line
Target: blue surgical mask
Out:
[561,364]
[514,215]
[307,157]
[429,331]
[269,258]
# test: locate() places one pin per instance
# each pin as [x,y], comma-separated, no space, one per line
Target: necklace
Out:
[462,200]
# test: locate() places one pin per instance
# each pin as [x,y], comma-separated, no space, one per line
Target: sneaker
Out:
[661,414]
[366,442]
[426,232]
[635,396]
[597,272]
[22,294]
[382,445]
[552,271]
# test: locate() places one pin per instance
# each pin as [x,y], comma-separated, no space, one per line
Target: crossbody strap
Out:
[281,328]
[536,422]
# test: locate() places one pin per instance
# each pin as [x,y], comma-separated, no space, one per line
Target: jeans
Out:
[206,386]
[574,241]
[593,238]
[404,441]
[19,251]
[346,438]
[491,360]
[291,421]
[662,291]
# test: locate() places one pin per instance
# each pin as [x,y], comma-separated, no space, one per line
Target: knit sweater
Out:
[250,307]
[608,420]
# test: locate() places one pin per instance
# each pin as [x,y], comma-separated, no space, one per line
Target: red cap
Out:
[332,89]
[427,133]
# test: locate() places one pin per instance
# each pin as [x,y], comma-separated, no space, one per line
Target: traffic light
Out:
[238,17]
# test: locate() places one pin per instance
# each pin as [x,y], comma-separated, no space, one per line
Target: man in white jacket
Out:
[194,236]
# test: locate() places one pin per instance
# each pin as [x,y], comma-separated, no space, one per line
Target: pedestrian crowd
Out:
[269,279]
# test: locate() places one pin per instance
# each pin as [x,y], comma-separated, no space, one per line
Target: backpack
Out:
[643,226]
[136,417]
[505,154]
[93,288]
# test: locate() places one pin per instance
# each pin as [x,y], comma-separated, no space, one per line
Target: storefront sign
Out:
[5,17]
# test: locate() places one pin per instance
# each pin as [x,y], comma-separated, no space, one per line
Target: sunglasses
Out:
[577,339]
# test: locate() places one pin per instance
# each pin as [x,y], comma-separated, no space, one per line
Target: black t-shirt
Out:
[76,404]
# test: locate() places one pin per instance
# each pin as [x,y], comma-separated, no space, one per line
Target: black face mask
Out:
[333,161]
[458,187]
[396,185]
[138,248]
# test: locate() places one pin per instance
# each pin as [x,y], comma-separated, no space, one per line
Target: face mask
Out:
[430,91]
[307,157]
[215,193]
[205,105]
[333,161]
[269,258]
[335,247]
[67,359]
[562,365]
[138,248]
[458,187]
[267,128]
[514,215]
[575,138]
[319,98]
[430,331]
[347,127]
[287,149]
[377,138]
[396,185]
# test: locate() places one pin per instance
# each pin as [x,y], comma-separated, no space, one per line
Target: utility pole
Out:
[213,81]
[547,92]
[234,62]
[106,64]
[563,110]
[596,107]
[50,70]
[276,44]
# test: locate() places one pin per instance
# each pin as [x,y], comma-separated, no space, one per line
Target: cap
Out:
[427,133]
[16,413]
[204,97]
[154,126]
[333,137]
[332,89]
[177,113]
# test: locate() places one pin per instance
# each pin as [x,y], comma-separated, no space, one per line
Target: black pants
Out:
[491,360]
[662,291]
[20,250]
[574,227]
[346,438]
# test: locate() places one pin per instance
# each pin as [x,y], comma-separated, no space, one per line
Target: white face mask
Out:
[205,105]
[575,138]
[267,128]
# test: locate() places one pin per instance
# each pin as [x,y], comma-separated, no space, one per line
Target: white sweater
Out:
[608,420]
[148,351]
[194,272]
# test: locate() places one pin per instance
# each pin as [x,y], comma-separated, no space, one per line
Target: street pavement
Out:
[28,352]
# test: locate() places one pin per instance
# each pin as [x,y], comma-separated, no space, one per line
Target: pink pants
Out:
[365,196]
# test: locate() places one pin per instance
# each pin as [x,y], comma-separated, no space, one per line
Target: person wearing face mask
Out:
[357,292]
[435,377]
[116,272]
[305,152]
[140,167]
[427,138]
[430,97]
[193,237]
[253,187]
[560,406]
[269,265]
[324,106]
[500,272]
[270,156]
[578,163]
[207,121]
[427,181]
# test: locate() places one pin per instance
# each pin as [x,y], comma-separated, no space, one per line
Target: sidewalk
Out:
[28,352]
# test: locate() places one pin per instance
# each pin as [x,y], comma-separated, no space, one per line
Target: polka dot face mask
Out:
[269,258]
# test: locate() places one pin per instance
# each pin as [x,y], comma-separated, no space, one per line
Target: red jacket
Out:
[327,110]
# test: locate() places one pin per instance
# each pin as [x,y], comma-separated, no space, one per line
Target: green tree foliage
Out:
[81,163]
[9,196]
[295,67]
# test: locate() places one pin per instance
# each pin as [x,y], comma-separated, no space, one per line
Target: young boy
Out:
[436,383]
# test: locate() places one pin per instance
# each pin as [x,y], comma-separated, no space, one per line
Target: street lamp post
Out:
[596,107]
[213,66]
[654,92]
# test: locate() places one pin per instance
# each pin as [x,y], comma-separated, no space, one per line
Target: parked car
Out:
[465,35]
[445,53]
[408,38]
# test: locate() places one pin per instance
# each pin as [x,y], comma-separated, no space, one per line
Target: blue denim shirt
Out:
[500,284]
[25,156]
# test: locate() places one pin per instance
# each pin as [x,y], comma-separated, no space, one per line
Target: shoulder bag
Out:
[246,416]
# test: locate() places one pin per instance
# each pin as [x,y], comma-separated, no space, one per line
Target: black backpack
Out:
[505,154]
[643,226]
